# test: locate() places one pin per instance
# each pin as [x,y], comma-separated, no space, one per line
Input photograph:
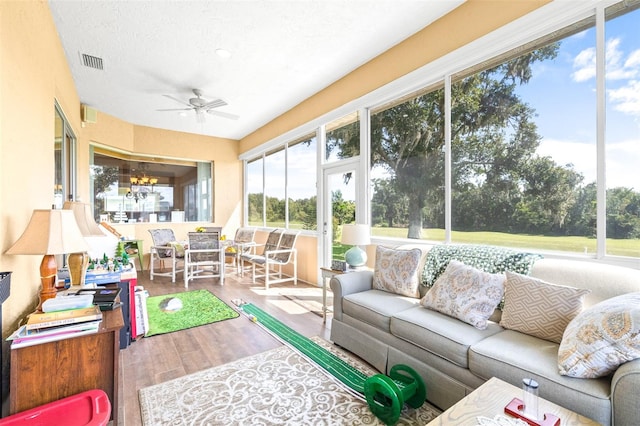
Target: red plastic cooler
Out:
[87,408]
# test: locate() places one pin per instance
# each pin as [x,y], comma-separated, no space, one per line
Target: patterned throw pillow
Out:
[538,308]
[601,338]
[396,271]
[465,293]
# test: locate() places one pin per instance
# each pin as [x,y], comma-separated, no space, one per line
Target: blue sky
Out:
[563,93]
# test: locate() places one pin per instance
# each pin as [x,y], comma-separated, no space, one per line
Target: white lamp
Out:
[355,234]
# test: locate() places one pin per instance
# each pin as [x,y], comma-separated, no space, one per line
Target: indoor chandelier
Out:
[138,185]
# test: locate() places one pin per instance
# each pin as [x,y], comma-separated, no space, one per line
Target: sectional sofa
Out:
[387,327]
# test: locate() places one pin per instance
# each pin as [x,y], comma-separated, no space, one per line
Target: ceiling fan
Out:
[200,106]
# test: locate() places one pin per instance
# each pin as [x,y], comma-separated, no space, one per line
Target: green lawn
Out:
[629,248]
[584,245]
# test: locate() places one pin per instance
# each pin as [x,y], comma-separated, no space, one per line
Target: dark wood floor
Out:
[156,359]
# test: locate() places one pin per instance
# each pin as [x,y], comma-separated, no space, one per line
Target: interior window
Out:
[130,189]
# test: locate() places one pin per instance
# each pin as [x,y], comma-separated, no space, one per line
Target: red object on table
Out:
[515,409]
[90,408]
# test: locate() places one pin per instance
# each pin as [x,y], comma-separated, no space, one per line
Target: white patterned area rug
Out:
[276,387]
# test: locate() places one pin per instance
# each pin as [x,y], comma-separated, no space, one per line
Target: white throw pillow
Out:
[396,271]
[465,293]
[601,338]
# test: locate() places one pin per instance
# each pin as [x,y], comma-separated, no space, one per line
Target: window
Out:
[255,192]
[622,134]
[289,186]
[524,151]
[64,160]
[131,189]
[301,183]
[343,138]
[407,168]
[275,164]
[508,149]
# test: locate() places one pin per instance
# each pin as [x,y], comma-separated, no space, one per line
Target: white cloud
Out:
[622,160]
[626,99]
[617,68]
[584,65]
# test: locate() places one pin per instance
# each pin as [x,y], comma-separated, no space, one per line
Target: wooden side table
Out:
[51,371]
[490,399]
[137,245]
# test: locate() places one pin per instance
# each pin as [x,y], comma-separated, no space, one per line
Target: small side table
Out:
[137,245]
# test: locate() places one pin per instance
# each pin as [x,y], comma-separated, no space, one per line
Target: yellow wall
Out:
[33,73]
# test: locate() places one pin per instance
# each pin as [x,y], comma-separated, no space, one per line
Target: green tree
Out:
[492,132]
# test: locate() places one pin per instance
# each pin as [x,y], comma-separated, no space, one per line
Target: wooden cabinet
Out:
[50,371]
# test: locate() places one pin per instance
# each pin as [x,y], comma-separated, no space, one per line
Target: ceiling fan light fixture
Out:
[223,53]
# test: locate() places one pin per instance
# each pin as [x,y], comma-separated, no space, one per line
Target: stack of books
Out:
[51,326]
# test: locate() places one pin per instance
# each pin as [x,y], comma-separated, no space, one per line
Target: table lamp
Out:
[355,234]
[79,261]
[48,233]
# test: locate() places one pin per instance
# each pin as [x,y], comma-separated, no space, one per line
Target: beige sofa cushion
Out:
[397,271]
[539,308]
[465,293]
[601,338]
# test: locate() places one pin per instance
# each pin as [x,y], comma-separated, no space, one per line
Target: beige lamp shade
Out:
[355,234]
[86,223]
[50,232]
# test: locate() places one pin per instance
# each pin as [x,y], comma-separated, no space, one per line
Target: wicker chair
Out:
[204,258]
[165,247]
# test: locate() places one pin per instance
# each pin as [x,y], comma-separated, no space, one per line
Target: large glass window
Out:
[255,195]
[130,189]
[407,168]
[301,183]
[275,164]
[524,150]
[622,56]
[289,186]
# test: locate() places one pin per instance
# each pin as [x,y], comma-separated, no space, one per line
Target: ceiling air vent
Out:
[92,61]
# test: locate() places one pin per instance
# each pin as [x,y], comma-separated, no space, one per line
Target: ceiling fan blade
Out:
[175,109]
[223,114]
[177,100]
[214,104]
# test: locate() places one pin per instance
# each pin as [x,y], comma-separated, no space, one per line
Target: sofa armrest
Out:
[349,283]
[625,388]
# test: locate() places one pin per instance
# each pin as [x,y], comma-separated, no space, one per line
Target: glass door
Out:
[339,207]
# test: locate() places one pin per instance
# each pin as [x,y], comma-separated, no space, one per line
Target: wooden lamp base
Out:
[48,271]
[77,263]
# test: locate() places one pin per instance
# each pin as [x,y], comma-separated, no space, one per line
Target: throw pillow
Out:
[396,271]
[601,338]
[538,308]
[465,293]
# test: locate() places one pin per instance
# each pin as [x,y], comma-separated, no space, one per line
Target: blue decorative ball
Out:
[355,257]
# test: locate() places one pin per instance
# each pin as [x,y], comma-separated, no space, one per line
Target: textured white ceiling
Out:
[282,53]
